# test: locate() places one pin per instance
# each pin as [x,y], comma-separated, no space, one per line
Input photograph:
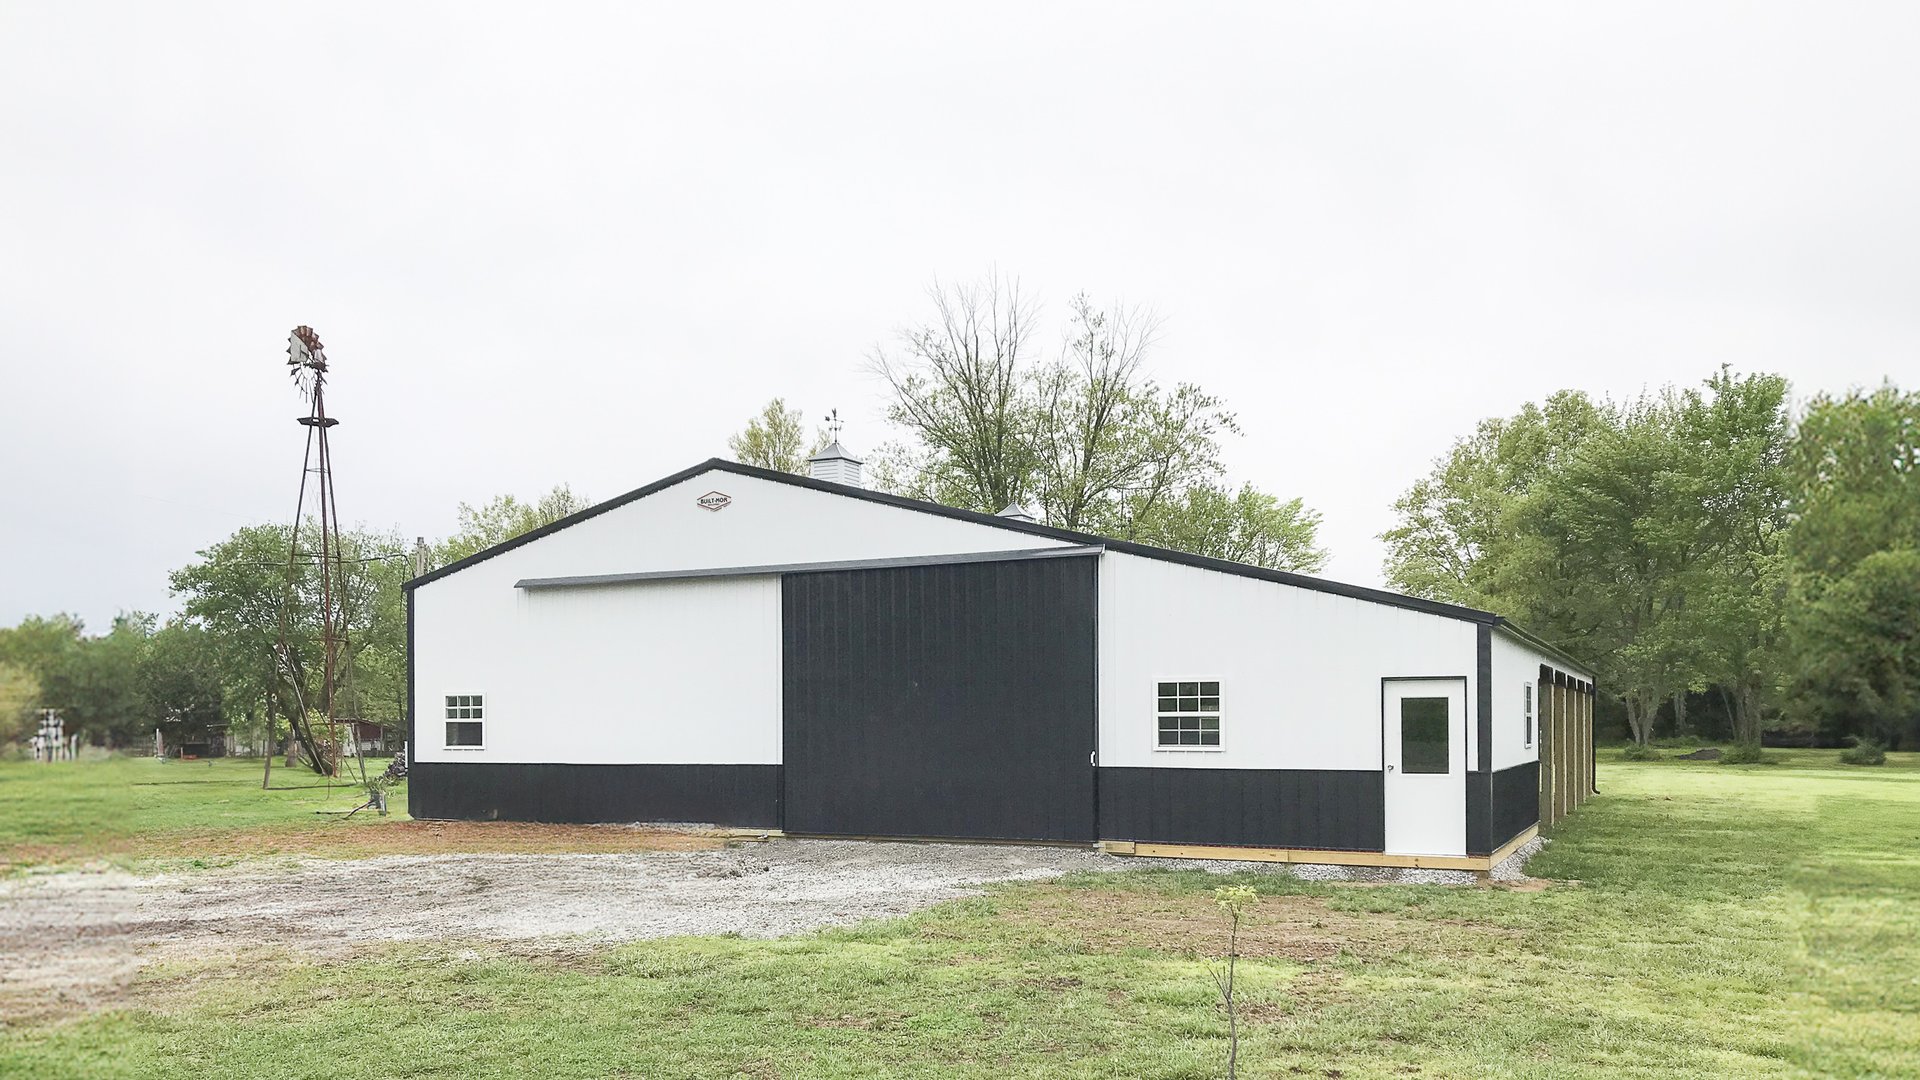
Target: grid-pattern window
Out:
[1527,709]
[1189,715]
[466,715]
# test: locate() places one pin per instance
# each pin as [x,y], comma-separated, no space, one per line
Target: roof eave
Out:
[1543,645]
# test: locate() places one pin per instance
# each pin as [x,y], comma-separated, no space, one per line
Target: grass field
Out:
[145,814]
[1726,922]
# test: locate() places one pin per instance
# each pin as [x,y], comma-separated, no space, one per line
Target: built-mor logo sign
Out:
[715,500]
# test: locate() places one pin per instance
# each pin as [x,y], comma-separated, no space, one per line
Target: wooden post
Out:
[1566,749]
[1580,751]
[1543,710]
[266,774]
[1592,783]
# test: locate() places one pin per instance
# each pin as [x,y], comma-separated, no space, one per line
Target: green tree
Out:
[180,683]
[101,698]
[1739,436]
[92,681]
[1456,527]
[19,698]
[502,519]
[1247,526]
[40,654]
[1615,533]
[775,439]
[1859,651]
[378,689]
[1854,478]
[1644,537]
[41,644]
[1854,475]
[238,591]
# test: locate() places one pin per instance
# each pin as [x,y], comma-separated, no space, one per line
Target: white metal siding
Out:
[1514,666]
[1300,670]
[679,672]
[1515,663]
[683,672]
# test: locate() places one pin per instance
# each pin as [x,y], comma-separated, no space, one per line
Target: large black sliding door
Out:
[950,700]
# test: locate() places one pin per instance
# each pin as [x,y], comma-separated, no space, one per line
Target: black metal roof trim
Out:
[774,569]
[1128,547]
[553,527]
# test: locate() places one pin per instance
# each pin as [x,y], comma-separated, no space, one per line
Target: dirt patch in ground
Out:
[350,841]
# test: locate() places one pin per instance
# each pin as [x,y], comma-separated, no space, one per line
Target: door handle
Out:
[1389,768]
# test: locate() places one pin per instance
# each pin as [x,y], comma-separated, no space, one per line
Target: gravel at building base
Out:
[1514,866]
[60,932]
[1383,875]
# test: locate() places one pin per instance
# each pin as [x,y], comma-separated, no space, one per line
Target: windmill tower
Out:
[312,713]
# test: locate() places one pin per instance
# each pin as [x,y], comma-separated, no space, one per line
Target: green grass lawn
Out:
[126,808]
[143,814]
[1727,922]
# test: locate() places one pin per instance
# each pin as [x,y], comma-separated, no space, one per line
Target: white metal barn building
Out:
[761,650]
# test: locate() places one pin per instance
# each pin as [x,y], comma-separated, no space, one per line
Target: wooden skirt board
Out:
[951,701]
[1320,857]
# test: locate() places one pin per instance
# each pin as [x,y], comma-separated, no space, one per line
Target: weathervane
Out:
[833,426]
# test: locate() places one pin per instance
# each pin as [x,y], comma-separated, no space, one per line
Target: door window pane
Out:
[1423,735]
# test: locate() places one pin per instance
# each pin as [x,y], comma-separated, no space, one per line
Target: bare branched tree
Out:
[956,386]
[1088,400]
[1089,435]
[1112,446]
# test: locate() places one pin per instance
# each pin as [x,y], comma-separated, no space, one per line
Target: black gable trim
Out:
[1145,551]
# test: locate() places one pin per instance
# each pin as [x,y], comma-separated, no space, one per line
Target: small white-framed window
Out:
[466,721]
[1526,710]
[1187,714]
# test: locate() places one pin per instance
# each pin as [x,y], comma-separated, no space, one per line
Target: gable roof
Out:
[1145,551]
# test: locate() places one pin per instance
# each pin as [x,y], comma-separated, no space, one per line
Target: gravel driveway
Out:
[70,936]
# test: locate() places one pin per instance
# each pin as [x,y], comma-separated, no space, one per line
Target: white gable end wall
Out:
[676,672]
[1300,670]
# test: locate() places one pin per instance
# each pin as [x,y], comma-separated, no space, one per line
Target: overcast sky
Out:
[561,242]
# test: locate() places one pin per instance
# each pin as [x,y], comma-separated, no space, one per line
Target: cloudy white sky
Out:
[566,242]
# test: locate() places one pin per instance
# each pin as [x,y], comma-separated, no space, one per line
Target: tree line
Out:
[215,666]
[1707,546]
[1721,558]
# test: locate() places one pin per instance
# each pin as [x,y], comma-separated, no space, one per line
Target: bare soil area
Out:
[392,837]
[70,939]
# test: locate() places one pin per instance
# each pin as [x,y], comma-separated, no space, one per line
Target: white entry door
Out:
[1425,729]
